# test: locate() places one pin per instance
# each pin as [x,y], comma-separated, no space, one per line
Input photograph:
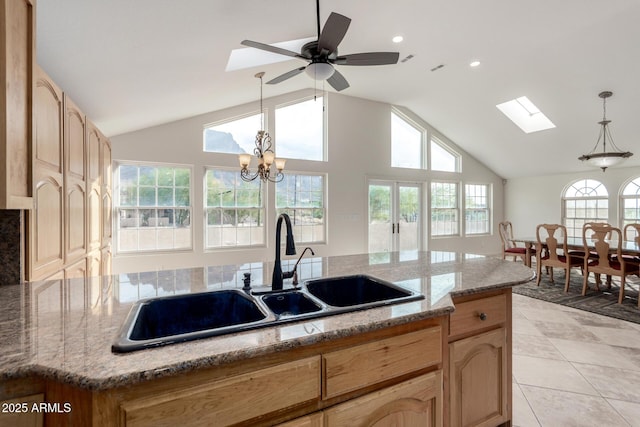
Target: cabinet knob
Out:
[482,316]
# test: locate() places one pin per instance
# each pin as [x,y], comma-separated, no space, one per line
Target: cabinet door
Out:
[313,420]
[75,183]
[94,184]
[18,413]
[479,383]
[46,221]
[105,191]
[17,58]
[416,402]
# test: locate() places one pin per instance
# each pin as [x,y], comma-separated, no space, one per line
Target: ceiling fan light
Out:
[319,70]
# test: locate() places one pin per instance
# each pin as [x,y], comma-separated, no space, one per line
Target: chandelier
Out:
[264,153]
[604,159]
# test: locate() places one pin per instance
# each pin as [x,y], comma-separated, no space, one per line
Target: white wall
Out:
[536,200]
[358,149]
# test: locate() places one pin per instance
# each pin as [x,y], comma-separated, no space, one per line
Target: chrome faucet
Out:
[278,275]
[295,267]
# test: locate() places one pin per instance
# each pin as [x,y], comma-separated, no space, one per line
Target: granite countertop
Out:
[63,329]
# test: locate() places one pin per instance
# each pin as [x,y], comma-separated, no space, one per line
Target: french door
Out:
[395,218]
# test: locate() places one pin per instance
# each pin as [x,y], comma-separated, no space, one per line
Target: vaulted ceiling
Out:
[134,64]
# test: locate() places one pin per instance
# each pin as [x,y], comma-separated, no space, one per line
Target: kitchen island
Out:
[336,370]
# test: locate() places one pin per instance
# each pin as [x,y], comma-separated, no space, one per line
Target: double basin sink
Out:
[168,320]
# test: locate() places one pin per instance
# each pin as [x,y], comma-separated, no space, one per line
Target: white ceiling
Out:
[134,64]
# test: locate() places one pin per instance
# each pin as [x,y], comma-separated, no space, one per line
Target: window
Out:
[234,136]
[586,200]
[477,213]
[153,208]
[406,144]
[234,210]
[302,198]
[630,201]
[299,130]
[443,158]
[444,209]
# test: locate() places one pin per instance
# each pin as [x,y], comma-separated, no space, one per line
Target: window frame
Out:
[248,114]
[423,137]
[433,139]
[118,207]
[575,230]
[324,199]
[488,209]
[455,209]
[206,208]
[624,220]
[325,157]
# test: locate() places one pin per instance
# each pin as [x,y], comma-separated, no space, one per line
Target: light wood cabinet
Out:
[46,220]
[313,420]
[94,187]
[19,412]
[479,384]
[105,192]
[416,402]
[17,58]
[75,182]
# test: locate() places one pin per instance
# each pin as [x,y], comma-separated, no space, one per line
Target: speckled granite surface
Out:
[11,256]
[64,329]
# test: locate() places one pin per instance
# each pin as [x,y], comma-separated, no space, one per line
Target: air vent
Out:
[437,67]
[406,58]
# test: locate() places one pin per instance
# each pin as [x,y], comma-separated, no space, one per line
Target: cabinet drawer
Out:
[231,400]
[370,363]
[471,316]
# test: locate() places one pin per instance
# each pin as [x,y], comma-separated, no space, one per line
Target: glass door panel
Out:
[408,219]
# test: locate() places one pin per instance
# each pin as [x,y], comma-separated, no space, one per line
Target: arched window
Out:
[630,203]
[586,200]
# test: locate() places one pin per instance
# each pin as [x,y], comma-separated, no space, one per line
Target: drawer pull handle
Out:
[482,316]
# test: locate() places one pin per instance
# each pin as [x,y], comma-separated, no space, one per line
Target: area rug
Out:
[604,302]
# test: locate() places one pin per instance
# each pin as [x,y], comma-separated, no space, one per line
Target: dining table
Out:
[628,247]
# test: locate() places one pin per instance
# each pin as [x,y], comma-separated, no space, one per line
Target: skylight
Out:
[525,114]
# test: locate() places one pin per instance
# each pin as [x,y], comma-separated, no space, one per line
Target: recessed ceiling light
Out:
[525,115]
[397,39]
[474,64]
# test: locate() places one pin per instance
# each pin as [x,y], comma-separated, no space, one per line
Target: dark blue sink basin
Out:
[173,319]
[357,290]
[290,303]
[166,320]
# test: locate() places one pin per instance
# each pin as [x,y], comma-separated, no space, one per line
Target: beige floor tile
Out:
[555,408]
[630,411]
[549,373]
[523,415]
[535,346]
[617,336]
[548,314]
[611,382]
[596,354]
[566,331]
[525,326]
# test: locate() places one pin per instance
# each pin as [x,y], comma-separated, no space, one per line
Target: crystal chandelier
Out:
[264,153]
[604,159]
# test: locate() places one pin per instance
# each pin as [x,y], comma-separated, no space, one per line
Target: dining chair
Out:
[556,254]
[607,241]
[629,229]
[510,248]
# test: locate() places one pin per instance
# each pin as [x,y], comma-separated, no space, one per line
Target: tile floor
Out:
[573,368]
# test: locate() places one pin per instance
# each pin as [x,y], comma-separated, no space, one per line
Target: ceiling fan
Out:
[322,54]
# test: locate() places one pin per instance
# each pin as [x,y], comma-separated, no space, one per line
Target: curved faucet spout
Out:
[278,275]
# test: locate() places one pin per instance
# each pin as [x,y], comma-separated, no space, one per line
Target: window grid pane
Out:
[586,200]
[234,211]
[148,217]
[477,214]
[630,201]
[302,198]
[444,209]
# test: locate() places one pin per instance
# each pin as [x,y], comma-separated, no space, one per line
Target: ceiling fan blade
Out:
[286,76]
[333,32]
[369,58]
[337,81]
[272,49]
